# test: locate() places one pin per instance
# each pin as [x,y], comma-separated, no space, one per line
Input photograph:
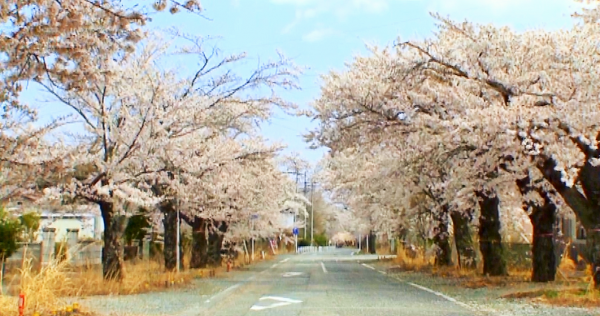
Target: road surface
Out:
[327,284]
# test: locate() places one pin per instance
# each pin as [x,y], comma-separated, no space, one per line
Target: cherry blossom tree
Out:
[466,89]
[221,134]
[63,39]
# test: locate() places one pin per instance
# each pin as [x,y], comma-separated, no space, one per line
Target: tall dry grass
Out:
[571,288]
[412,261]
[46,290]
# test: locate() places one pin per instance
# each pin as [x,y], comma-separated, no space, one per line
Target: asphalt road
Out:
[334,283]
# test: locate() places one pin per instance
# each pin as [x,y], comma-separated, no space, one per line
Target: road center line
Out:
[368,266]
[323,266]
[284,260]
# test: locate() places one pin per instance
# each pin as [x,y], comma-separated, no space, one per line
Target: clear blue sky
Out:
[323,34]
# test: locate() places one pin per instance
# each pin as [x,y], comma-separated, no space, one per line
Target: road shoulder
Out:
[484,300]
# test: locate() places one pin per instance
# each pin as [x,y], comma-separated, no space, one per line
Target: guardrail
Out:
[306,249]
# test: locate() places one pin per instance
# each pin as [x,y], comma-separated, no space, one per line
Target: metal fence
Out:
[307,249]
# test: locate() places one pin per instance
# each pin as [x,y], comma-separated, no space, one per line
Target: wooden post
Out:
[2,275]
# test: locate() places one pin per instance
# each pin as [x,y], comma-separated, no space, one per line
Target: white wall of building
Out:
[287,220]
[90,226]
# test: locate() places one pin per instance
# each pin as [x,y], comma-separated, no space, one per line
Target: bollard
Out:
[76,307]
[228,266]
[36,313]
[21,304]
[69,310]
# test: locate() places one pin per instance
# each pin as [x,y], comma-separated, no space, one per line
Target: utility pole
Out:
[305,219]
[177,252]
[312,212]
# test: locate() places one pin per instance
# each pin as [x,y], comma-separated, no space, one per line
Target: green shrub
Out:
[10,234]
[321,240]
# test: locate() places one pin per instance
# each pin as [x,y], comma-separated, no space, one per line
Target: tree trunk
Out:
[441,239]
[199,241]
[112,252]
[585,205]
[372,242]
[593,254]
[462,238]
[544,258]
[490,240]
[170,235]
[215,243]
[542,219]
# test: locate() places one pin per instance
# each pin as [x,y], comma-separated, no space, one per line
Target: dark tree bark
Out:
[112,252]
[542,219]
[586,204]
[544,257]
[170,236]
[199,255]
[463,239]
[490,240]
[215,243]
[372,242]
[442,238]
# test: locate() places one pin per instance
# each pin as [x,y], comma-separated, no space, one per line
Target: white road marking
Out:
[382,272]
[223,292]
[282,301]
[352,253]
[368,266]
[284,260]
[273,266]
[323,266]
[448,298]
[291,274]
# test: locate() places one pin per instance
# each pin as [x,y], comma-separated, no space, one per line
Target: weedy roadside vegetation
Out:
[572,287]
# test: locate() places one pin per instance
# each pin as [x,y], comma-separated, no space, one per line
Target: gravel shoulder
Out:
[487,300]
[181,301]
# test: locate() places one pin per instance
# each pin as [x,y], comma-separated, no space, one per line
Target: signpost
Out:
[295,231]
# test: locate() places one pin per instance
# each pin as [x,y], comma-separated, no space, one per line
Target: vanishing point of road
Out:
[327,284]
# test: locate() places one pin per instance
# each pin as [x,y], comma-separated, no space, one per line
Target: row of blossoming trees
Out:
[150,136]
[475,118]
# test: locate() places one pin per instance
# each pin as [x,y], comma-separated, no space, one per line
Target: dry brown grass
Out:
[571,288]
[45,291]
[412,262]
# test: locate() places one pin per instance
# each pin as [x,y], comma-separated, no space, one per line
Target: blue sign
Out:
[295,230]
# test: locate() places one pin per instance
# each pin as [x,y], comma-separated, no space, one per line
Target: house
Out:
[86,218]
[90,224]
[287,219]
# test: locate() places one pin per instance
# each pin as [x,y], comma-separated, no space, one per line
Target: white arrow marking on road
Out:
[291,274]
[283,301]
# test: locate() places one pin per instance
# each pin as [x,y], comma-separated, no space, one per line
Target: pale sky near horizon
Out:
[324,34]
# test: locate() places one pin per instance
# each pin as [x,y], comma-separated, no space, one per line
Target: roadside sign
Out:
[295,231]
